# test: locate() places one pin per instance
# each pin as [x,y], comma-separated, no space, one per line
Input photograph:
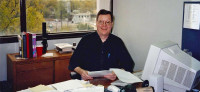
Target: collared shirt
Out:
[94,55]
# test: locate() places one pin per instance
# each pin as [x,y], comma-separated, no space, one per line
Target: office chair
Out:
[75,75]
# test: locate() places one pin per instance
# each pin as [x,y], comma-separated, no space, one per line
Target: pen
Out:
[108,55]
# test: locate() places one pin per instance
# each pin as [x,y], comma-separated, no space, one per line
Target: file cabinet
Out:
[24,73]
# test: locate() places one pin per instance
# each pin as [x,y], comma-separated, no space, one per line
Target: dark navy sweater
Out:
[93,55]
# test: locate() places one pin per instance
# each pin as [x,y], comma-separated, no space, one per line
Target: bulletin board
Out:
[191,28]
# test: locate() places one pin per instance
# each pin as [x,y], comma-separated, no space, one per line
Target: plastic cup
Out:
[39,49]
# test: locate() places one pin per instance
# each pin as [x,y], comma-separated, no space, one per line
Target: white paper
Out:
[68,85]
[125,76]
[72,86]
[88,89]
[119,83]
[28,90]
[192,16]
[47,55]
[25,90]
[51,91]
[99,73]
[138,74]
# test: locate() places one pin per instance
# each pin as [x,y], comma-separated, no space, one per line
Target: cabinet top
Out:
[56,55]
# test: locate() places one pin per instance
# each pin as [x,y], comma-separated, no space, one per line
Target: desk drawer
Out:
[33,78]
[33,66]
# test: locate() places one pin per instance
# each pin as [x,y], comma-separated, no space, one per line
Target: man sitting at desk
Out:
[101,50]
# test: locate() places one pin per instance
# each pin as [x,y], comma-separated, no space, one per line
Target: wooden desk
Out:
[106,82]
[101,81]
[97,81]
[24,73]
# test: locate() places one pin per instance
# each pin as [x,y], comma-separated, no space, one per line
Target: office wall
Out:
[13,48]
[143,22]
[103,4]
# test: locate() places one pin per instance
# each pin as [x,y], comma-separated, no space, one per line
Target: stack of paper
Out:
[63,47]
[68,85]
[88,89]
[77,86]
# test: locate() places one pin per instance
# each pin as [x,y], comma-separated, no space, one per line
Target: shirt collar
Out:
[99,39]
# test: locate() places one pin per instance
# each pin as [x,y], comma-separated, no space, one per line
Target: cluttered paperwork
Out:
[77,86]
[67,85]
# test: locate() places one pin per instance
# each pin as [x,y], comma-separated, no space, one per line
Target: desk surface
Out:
[106,82]
[98,81]
[101,81]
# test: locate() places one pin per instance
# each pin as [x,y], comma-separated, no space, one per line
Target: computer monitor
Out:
[181,72]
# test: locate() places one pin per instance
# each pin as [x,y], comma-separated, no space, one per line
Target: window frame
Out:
[51,36]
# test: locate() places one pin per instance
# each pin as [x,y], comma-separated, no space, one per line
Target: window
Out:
[61,16]
[9,17]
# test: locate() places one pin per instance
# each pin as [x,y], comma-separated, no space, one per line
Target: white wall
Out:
[4,49]
[13,48]
[143,22]
[103,4]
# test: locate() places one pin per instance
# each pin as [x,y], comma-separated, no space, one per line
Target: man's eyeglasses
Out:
[104,22]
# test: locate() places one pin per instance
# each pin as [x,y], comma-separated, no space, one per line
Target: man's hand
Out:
[110,76]
[83,73]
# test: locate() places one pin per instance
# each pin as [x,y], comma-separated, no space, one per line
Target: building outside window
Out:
[60,16]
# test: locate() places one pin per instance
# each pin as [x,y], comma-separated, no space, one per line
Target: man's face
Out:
[104,25]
